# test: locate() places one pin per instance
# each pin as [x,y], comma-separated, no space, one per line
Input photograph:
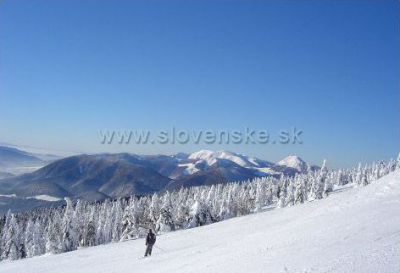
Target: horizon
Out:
[61,154]
[72,69]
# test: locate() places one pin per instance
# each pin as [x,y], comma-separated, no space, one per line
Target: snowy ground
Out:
[354,230]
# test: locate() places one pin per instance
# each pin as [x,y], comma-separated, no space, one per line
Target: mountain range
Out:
[100,176]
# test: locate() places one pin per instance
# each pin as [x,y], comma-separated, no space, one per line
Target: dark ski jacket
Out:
[150,239]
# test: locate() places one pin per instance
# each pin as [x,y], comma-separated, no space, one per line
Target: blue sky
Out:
[331,68]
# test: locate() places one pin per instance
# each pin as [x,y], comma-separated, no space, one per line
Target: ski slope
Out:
[353,230]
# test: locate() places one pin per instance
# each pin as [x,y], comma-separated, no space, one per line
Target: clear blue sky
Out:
[330,68]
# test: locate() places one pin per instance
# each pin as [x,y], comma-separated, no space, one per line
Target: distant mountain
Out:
[201,172]
[44,154]
[5,175]
[212,157]
[88,177]
[95,177]
[11,157]
[294,162]
[16,161]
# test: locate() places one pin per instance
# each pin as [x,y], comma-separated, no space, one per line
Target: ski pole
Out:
[160,248]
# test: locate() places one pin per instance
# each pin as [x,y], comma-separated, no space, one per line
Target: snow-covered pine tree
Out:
[245,202]
[299,191]
[227,208]
[317,189]
[28,239]
[364,177]
[5,235]
[101,223]
[39,238]
[212,200]
[116,214]
[358,175]
[261,195]
[325,180]
[282,193]
[107,223]
[80,219]
[154,209]
[183,214]
[12,246]
[89,235]
[129,230]
[54,243]
[199,215]
[165,221]
[339,179]
[69,236]
[290,199]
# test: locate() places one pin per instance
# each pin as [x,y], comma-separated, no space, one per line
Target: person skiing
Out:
[150,241]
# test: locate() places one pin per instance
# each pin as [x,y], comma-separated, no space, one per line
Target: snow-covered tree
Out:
[299,191]
[290,198]
[68,226]
[12,247]
[182,216]
[261,196]
[116,214]
[165,221]
[30,247]
[89,232]
[129,230]
[199,215]
[282,193]
[53,241]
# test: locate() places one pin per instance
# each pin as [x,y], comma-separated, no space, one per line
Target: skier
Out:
[150,241]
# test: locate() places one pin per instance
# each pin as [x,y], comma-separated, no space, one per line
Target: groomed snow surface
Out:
[353,230]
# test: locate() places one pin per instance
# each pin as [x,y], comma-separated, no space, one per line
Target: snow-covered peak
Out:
[211,157]
[206,155]
[295,162]
[202,154]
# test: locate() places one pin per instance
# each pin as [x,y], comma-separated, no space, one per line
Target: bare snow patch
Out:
[45,197]
[190,168]
[8,195]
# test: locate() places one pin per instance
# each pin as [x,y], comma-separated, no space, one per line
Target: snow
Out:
[8,195]
[269,171]
[211,157]
[294,162]
[190,168]
[353,230]
[45,197]
[253,161]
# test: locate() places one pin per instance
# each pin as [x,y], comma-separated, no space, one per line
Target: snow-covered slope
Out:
[353,230]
